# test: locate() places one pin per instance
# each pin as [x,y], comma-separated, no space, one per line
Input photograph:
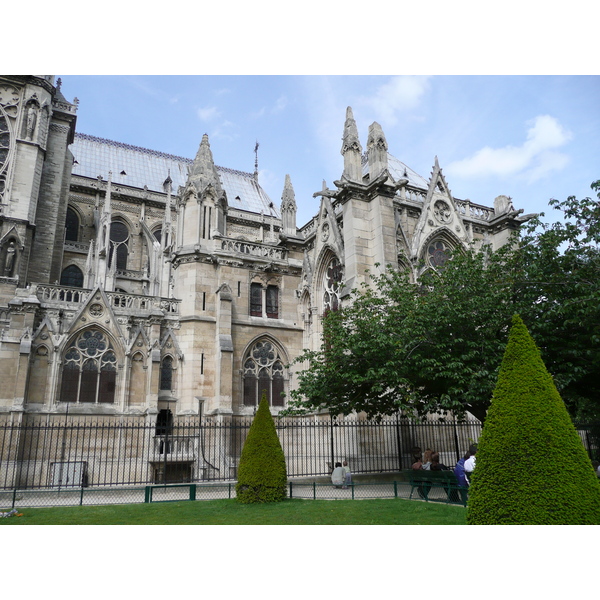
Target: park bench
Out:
[423,481]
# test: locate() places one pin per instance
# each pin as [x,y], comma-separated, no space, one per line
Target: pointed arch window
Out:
[264,373]
[332,284]
[119,244]
[72,276]
[71,226]
[89,370]
[166,374]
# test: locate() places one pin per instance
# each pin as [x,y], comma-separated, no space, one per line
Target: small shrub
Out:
[532,468]
[262,475]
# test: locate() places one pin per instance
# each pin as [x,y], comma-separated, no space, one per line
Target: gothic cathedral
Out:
[134,282]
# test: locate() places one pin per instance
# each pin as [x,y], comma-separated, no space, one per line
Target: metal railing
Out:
[82,496]
[85,452]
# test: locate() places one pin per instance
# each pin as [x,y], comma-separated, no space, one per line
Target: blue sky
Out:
[529,137]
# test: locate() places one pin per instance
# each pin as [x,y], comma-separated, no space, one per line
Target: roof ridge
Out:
[93,138]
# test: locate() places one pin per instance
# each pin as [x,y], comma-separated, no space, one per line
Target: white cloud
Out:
[399,94]
[226,130]
[280,104]
[533,159]
[208,113]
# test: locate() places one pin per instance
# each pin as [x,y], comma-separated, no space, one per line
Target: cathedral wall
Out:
[9,363]
[197,340]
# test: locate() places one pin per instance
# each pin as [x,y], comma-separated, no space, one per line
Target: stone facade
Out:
[134,282]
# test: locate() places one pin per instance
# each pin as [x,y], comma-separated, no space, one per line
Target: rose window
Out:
[438,254]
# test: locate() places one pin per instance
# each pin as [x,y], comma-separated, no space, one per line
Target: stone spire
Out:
[99,269]
[168,187]
[351,149]
[166,241]
[107,198]
[203,172]
[377,151]
[288,208]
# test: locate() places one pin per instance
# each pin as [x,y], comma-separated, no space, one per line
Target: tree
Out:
[418,348]
[532,468]
[558,293]
[262,475]
[437,345]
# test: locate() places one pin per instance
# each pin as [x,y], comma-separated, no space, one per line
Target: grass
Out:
[230,512]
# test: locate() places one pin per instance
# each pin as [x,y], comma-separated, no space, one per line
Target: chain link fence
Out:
[22,499]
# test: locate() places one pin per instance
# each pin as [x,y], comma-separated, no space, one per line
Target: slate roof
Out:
[398,170]
[138,167]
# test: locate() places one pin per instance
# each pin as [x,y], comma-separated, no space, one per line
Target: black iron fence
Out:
[82,452]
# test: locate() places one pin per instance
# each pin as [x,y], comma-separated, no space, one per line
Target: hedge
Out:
[532,467]
[262,475]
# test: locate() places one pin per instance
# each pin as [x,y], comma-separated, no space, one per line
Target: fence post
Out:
[395,489]
[314,490]
[290,490]
[398,441]
[81,497]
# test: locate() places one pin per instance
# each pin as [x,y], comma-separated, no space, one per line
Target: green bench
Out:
[423,481]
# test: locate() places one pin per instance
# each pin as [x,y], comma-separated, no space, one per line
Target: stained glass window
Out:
[256,300]
[119,238]
[89,370]
[71,226]
[272,302]
[264,372]
[438,253]
[166,374]
[72,276]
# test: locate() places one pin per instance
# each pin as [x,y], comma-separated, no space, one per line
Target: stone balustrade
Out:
[474,211]
[65,296]
[253,249]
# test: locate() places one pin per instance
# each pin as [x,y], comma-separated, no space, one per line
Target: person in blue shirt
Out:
[459,471]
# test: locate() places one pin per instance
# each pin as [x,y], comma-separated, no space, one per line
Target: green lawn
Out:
[230,512]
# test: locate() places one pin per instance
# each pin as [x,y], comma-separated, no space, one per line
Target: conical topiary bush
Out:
[262,475]
[532,468]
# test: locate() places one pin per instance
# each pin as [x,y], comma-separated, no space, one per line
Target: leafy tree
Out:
[438,345]
[558,292]
[416,348]
[262,475]
[532,468]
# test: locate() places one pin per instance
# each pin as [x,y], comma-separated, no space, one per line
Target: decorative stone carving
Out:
[442,212]
[9,262]
[96,310]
